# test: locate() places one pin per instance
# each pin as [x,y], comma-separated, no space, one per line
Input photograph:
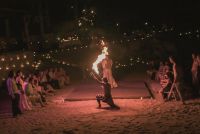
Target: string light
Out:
[22,65]
[7,68]
[2,59]
[18,58]
[135,36]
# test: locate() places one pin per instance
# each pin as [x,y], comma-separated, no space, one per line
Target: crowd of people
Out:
[31,90]
[171,76]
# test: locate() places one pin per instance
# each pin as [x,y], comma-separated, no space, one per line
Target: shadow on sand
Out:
[193,104]
[113,108]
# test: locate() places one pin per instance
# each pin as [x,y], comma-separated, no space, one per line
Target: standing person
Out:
[194,71]
[107,71]
[177,83]
[194,68]
[160,73]
[24,105]
[14,93]
[198,73]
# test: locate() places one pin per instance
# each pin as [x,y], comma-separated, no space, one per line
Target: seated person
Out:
[160,72]
[167,67]
[166,84]
[40,91]
[151,71]
[51,79]
[32,94]
[58,76]
[45,84]
[65,75]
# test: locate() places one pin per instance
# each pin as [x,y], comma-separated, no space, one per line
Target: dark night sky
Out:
[169,11]
[127,12]
[156,11]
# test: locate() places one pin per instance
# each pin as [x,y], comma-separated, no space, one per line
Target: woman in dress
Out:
[24,104]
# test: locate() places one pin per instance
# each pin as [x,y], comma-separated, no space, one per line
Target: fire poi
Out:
[106,63]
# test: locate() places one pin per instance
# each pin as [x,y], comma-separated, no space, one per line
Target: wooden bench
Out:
[154,88]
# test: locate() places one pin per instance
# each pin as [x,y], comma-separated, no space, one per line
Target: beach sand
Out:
[135,116]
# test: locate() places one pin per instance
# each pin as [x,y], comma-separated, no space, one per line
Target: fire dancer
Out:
[107,71]
[107,96]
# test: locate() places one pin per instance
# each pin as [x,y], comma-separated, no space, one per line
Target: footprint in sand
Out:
[68,132]
[36,130]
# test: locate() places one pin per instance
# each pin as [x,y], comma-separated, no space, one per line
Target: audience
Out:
[161,72]
[62,77]
[14,92]
[178,78]
[24,104]
[151,70]
[173,78]
[198,73]
[27,92]
[166,84]
[194,72]
[45,83]
[166,67]
[51,78]
[32,93]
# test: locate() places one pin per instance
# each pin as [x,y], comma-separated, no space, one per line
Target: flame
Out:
[100,58]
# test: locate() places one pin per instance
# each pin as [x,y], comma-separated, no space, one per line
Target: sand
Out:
[135,116]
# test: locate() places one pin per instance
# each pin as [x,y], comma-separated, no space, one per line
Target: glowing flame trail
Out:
[100,58]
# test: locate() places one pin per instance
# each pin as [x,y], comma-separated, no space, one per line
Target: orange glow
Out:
[100,58]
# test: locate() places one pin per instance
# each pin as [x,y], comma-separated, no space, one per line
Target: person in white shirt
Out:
[14,93]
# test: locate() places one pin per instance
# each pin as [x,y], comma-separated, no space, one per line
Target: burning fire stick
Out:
[95,76]
[100,57]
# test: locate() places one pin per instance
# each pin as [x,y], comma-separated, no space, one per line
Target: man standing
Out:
[107,71]
[14,93]
[177,80]
[194,71]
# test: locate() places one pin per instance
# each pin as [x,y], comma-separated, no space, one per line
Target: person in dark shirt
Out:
[14,92]
[106,97]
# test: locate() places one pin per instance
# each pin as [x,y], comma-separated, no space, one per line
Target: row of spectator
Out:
[172,77]
[28,91]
